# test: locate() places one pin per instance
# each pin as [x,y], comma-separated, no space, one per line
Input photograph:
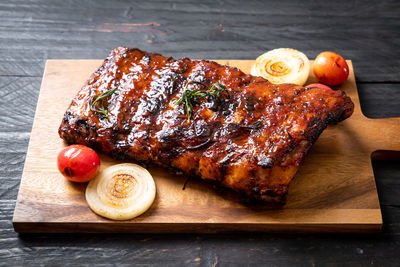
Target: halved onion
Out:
[121,192]
[282,65]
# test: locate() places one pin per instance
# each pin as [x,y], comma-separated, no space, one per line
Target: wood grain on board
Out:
[334,191]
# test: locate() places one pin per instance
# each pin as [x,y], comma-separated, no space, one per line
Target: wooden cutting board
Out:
[334,191]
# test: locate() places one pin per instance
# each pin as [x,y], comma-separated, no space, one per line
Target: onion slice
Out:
[282,65]
[121,192]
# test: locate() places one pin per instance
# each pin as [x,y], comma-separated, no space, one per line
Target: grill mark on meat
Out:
[145,126]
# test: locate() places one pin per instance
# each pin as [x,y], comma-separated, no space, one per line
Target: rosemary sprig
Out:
[190,97]
[216,89]
[254,126]
[97,102]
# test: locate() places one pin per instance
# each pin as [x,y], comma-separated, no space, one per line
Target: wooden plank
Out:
[374,96]
[333,192]
[62,29]
[22,92]
[370,43]
[206,249]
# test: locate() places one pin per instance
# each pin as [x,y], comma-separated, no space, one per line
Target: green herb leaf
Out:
[216,89]
[173,81]
[97,102]
[190,97]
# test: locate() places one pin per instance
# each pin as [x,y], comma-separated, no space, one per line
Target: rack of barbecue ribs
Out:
[202,119]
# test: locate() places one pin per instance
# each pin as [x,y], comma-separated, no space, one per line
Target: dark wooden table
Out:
[33,31]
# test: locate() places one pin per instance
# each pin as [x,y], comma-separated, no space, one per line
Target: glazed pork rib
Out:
[251,137]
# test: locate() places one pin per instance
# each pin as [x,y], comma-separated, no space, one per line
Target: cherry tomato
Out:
[330,68]
[318,85]
[78,163]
